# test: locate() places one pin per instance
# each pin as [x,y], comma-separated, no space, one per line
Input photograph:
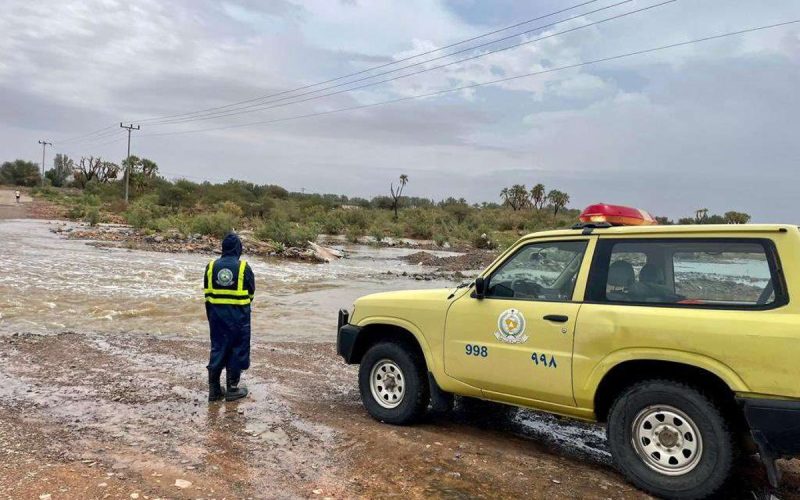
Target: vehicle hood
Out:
[409,305]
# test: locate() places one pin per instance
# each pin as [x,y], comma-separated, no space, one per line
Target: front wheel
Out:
[670,440]
[393,383]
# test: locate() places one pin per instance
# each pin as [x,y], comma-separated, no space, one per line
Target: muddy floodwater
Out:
[50,284]
[103,392]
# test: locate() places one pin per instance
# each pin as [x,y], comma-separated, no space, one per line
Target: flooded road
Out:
[51,284]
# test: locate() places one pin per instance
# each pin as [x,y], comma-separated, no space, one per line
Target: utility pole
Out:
[129,128]
[44,145]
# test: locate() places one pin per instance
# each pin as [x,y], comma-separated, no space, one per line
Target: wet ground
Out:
[102,393]
[115,416]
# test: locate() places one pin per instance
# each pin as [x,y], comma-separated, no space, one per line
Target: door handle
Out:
[557,318]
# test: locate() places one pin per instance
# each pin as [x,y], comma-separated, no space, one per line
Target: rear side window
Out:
[728,273]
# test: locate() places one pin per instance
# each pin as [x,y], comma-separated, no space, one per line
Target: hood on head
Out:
[232,245]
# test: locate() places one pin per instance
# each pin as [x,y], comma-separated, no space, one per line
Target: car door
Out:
[517,340]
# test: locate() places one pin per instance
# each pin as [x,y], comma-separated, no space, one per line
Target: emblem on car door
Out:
[511,327]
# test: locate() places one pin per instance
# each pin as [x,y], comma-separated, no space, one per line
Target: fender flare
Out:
[616,358]
[405,325]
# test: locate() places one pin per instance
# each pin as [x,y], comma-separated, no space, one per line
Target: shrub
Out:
[377,233]
[93,216]
[440,239]
[217,224]
[419,223]
[76,212]
[483,239]
[287,233]
[143,211]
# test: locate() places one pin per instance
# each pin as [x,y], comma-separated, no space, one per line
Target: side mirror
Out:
[480,287]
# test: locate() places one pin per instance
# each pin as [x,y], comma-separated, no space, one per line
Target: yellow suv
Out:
[683,339]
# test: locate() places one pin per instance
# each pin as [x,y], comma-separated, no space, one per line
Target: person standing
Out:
[229,286]
[17,195]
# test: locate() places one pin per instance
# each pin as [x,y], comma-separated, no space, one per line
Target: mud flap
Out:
[768,457]
[441,401]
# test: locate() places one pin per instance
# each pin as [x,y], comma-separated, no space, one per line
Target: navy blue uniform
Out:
[229,286]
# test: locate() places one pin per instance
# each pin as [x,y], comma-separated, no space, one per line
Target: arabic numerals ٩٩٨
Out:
[541,359]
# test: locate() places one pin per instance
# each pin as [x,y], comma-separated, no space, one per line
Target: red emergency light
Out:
[617,215]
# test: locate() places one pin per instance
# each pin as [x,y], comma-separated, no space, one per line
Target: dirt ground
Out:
[9,208]
[125,416]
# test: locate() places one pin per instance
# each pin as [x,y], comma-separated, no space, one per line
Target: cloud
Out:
[710,124]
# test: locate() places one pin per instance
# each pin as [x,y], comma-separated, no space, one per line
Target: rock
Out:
[45,496]
[324,254]
[182,483]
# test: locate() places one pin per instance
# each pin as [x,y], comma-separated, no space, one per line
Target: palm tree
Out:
[538,196]
[504,196]
[397,193]
[558,199]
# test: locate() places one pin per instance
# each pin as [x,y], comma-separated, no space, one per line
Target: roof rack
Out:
[588,227]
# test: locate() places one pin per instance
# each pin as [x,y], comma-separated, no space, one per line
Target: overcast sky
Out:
[710,125]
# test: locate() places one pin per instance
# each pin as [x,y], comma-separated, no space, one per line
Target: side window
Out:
[539,271]
[688,272]
[733,276]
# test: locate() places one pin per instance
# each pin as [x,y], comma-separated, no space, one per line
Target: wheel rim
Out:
[667,440]
[387,383]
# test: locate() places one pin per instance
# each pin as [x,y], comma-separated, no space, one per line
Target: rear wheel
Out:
[393,383]
[670,440]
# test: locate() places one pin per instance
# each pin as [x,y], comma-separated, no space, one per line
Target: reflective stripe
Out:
[231,302]
[238,297]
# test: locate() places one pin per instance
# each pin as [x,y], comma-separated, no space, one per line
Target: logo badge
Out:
[511,327]
[225,277]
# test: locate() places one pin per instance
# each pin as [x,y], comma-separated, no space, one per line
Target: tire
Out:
[699,462]
[406,399]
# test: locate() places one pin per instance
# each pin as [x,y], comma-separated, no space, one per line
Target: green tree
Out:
[516,196]
[734,217]
[63,167]
[397,193]
[558,200]
[538,196]
[143,173]
[664,221]
[20,173]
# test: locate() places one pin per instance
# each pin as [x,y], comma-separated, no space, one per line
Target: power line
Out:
[75,138]
[491,82]
[261,107]
[408,58]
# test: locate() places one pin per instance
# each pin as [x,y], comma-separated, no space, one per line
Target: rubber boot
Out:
[215,392]
[234,391]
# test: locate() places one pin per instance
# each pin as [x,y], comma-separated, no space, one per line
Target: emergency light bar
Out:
[616,215]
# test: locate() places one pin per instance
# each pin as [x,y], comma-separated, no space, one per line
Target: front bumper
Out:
[346,336]
[775,427]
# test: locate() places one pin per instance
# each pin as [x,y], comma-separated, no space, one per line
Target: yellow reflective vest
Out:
[227,295]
